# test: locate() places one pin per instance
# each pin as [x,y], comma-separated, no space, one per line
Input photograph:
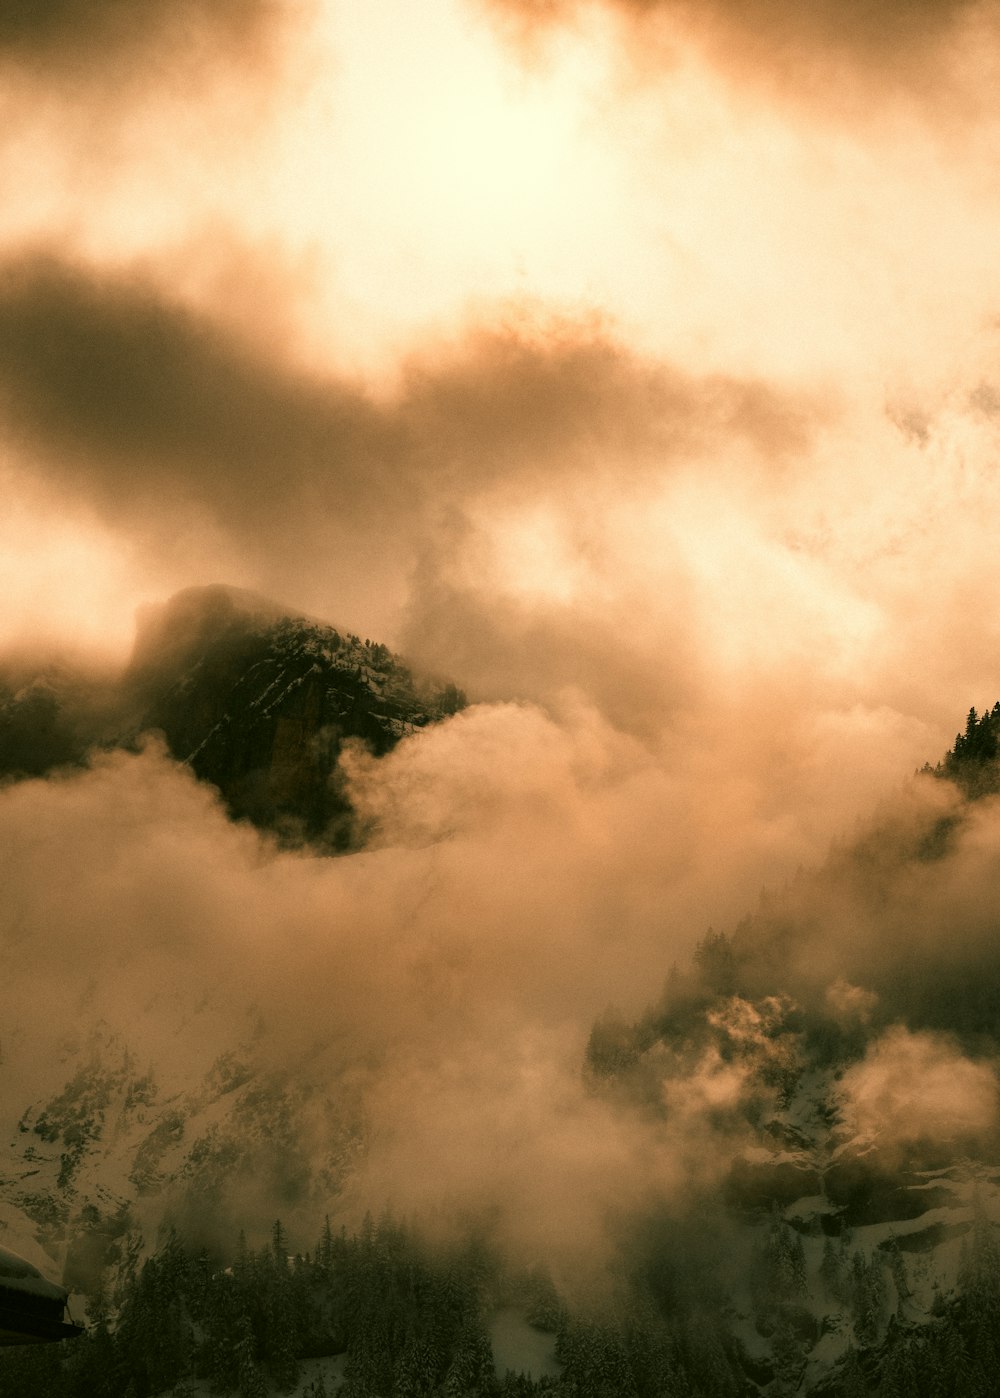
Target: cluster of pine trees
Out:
[408,1320]
[972,761]
[979,741]
[411,1321]
[958,1356]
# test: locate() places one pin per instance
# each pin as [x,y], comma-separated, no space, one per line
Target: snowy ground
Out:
[330,1370]
[520,1347]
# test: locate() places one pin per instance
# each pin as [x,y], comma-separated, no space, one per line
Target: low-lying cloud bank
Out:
[916,1089]
[445,979]
[525,871]
[710,615]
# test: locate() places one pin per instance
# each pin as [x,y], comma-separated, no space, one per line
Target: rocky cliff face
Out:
[117,1149]
[107,1145]
[257,701]
[261,703]
[846,1234]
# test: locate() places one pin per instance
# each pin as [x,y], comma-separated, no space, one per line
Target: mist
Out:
[425,1004]
[637,374]
[417,984]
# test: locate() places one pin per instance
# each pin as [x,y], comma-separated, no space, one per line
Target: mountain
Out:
[842,1249]
[829,1064]
[118,1149]
[259,702]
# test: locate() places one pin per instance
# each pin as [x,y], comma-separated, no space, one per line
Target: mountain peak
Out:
[194,618]
[256,698]
[259,701]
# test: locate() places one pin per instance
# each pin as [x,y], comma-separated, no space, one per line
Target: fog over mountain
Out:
[499,506]
[211,1024]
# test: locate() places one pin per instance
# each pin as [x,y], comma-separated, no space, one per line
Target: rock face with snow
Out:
[870,1249]
[259,702]
[114,1151]
[842,1238]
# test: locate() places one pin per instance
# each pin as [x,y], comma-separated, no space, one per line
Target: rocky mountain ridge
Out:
[257,701]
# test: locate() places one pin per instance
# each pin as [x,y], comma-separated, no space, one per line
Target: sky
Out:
[637,352]
[631,362]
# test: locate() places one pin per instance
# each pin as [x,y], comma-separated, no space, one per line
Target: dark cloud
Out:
[136,400]
[156,416]
[891,41]
[86,38]
[635,664]
[840,21]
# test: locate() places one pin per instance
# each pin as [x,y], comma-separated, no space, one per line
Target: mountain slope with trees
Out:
[829,1065]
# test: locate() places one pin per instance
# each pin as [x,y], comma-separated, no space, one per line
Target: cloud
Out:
[900,44]
[850,1004]
[525,868]
[896,926]
[919,1087]
[852,23]
[141,401]
[86,41]
[418,983]
[164,421]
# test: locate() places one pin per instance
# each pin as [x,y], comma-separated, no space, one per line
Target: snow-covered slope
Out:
[115,1151]
[845,1230]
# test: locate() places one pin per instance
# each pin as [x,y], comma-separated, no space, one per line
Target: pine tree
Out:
[324,1249]
[897,1266]
[831,1271]
[251,1381]
[852,1377]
